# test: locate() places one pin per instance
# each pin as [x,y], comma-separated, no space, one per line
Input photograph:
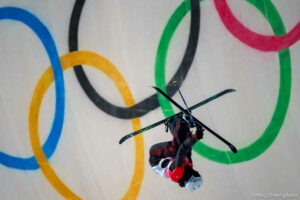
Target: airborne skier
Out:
[172,159]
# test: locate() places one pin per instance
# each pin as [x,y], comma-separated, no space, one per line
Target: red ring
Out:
[252,39]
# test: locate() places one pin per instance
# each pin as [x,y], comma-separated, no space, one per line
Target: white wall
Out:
[88,159]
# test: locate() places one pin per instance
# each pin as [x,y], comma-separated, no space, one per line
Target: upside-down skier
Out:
[172,159]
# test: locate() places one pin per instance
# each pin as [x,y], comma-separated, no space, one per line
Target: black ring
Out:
[151,102]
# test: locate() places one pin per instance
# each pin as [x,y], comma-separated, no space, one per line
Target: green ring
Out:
[260,145]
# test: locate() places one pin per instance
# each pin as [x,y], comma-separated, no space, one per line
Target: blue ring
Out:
[43,34]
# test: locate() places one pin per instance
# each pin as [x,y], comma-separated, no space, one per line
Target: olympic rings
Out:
[252,39]
[43,34]
[264,142]
[69,61]
[42,153]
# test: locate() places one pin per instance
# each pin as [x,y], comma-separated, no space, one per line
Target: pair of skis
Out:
[186,111]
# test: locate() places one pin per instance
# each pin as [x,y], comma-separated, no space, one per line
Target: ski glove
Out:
[198,135]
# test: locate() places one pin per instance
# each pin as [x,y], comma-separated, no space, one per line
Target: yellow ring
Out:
[69,61]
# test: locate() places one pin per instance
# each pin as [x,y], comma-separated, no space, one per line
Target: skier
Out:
[172,159]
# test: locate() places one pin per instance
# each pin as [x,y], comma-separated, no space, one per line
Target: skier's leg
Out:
[160,156]
[185,148]
[171,123]
[181,169]
[180,131]
[160,151]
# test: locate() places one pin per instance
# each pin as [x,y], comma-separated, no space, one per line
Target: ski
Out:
[214,97]
[231,146]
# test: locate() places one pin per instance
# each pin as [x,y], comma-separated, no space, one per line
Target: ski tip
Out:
[231,90]
[151,86]
[233,149]
[121,140]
